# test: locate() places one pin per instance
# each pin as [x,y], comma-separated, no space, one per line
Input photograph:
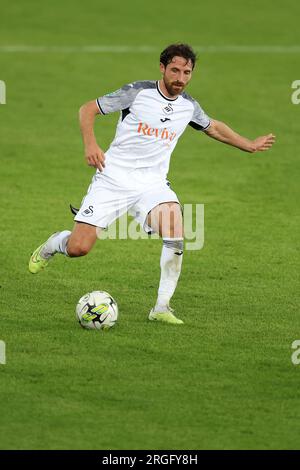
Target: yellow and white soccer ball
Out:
[97,310]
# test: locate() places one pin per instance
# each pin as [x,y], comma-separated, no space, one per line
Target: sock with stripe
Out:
[57,243]
[170,264]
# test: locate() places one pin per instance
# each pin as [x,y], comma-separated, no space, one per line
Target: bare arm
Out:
[220,131]
[94,155]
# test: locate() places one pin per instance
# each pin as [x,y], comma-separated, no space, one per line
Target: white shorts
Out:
[108,199]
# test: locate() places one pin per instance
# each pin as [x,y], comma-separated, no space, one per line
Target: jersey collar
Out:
[161,93]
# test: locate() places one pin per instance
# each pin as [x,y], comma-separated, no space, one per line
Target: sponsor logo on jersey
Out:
[163,134]
[166,119]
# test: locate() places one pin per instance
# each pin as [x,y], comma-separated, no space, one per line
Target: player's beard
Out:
[172,89]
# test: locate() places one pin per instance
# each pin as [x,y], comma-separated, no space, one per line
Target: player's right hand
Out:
[95,156]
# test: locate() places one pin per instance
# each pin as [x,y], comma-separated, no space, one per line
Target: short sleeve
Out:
[118,100]
[200,121]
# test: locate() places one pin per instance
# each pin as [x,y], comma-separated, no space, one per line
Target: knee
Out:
[172,225]
[172,229]
[176,230]
[76,249]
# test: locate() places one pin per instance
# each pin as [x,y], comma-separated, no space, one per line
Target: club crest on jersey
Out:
[88,212]
[168,109]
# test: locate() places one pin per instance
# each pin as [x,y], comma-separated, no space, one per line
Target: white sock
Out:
[170,264]
[57,243]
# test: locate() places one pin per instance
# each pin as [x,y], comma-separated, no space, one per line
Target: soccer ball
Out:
[97,310]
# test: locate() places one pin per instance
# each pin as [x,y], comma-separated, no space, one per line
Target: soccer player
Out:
[132,174]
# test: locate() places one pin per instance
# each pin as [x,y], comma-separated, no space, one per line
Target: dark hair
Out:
[180,50]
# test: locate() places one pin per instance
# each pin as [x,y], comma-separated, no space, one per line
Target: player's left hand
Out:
[264,142]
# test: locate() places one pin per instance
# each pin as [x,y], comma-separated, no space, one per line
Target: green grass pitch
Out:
[224,380]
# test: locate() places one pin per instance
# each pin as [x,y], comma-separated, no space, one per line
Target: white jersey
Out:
[149,127]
